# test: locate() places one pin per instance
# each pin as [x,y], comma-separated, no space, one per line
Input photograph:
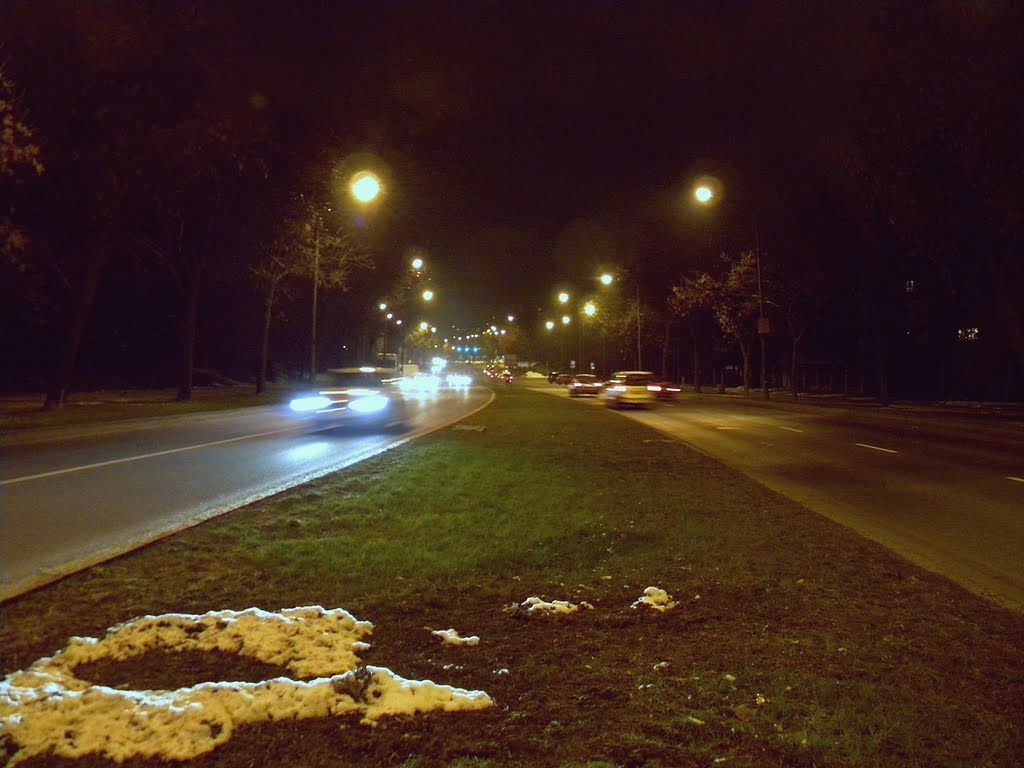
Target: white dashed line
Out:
[876,448]
[726,427]
[1015,479]
[792,429]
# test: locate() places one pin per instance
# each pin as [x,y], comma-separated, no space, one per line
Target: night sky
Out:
[530,144]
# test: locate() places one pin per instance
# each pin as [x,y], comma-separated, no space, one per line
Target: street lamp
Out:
[608,279]
[589,310]
[365,187]
[705,195]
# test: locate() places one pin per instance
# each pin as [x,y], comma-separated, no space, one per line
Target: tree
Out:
[693,300]
[736,306]
[19,155]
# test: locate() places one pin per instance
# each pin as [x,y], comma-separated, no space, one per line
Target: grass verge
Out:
[795,642]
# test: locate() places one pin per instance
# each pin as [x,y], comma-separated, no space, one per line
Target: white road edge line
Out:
[876,448]
[99,464]
[792,429]
[727,427]
[1015,479]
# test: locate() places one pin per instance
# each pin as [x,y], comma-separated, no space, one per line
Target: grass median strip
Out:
[792,641]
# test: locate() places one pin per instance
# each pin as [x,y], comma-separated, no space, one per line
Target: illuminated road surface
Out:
[946,493]
[76,502]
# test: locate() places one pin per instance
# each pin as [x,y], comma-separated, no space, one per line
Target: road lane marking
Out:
[876,448]
[126,459]
[792,429]
[1015,479]
[726,427]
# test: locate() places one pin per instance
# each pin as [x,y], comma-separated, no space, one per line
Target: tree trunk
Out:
[746,368]
[883,366]
[696,358]
[189,324]
[664,349]
[794,368]
[268,311]
[82,301]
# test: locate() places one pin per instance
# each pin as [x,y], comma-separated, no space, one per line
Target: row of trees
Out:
[137,180]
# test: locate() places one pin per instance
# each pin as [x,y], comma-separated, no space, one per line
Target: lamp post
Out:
[607,279]
[589,310]
[364,187]
[705,195]
[317,223]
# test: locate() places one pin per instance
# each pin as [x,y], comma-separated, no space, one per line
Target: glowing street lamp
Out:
[428,295]
[563,297]
[705,196]
[365,187]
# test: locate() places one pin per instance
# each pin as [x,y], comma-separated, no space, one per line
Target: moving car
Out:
[666,390]
[584,384]
[630,389]
[367,397]
[564,378]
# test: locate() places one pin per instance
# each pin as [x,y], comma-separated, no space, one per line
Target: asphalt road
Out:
[945,491]
[80,499]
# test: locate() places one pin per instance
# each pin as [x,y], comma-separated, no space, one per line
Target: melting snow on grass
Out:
[46,707]
[656,598]
[451,637]
[536,605]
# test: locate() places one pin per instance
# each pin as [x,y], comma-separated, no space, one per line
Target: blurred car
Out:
[564,378]
[630,389]
[365,398]
[584,384]
[666,390]
[552,376]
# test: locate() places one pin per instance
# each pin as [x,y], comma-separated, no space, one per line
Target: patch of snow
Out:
[46,707]
[536,605]
[656,598]
[451,637]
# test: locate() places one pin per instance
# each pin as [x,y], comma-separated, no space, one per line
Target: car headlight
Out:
[368,404]
[308,404]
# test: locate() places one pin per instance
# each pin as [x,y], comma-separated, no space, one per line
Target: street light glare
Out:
[589,309]
[417,263]
[607,279]
[566,319]
[549,324]
[428,295]
[703,194]
[563,297]
[365,187]
[383,306]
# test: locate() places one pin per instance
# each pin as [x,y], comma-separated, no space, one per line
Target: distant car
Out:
[584,384]
[364,398]
[552,376]
[665,390]
[630,389]
[564,378]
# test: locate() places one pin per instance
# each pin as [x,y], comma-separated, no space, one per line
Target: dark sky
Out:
[527,141]
[530,142]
